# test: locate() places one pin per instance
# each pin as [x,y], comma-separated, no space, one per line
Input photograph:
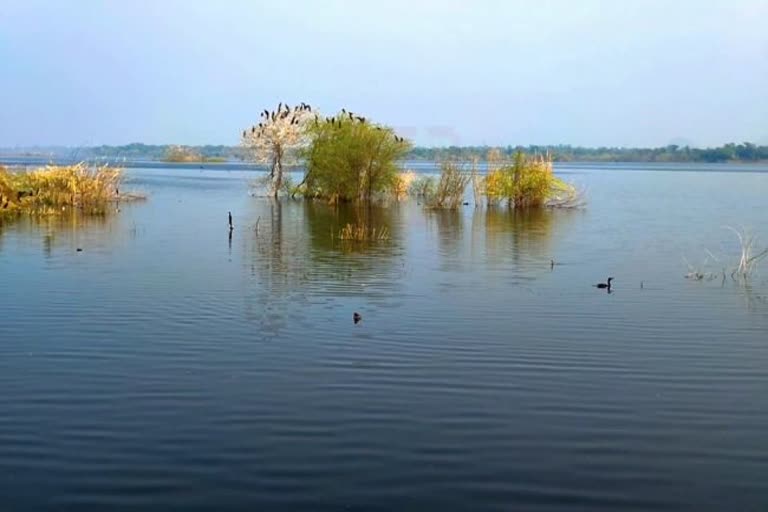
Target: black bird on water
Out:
[605,285]
[356,317]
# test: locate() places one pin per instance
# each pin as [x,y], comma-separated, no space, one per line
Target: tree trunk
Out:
[279,179]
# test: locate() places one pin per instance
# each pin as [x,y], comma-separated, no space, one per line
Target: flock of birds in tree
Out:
[283,111]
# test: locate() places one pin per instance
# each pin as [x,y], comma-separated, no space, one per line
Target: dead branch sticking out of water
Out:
[748,260]
[740,272]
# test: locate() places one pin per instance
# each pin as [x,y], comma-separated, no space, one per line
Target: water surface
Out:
[169,367]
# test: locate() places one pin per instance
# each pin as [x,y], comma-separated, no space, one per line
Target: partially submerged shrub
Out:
[402,184]
[51,189]
[449,190]
[423,186]
[528,182]
[351,159]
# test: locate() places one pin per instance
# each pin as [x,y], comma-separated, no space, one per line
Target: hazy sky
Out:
[613,72]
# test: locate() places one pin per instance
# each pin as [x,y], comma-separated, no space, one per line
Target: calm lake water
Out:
[166,367]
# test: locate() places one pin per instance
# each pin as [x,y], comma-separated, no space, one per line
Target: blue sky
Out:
[629,72]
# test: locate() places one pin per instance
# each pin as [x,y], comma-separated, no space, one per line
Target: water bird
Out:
[231,226]
[605,285]
[356,317]
[80,249]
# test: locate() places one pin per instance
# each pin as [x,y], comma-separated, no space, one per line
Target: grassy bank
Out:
[52,189]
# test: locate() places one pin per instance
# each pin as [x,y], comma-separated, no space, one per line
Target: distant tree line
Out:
[744,152]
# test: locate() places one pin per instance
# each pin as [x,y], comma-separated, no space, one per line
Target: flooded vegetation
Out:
[54,189]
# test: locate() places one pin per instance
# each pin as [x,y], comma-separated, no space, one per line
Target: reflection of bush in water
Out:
[326,221]
[297,244]
[449,223]
[66,230]
[296,264]
[525,233]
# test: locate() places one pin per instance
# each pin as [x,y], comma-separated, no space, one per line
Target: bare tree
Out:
[277,138]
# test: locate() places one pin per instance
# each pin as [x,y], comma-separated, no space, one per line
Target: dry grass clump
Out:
[53,189]
[402,184]
[529,181]
[363,233]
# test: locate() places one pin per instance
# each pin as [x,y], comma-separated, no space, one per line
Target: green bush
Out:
[351,159]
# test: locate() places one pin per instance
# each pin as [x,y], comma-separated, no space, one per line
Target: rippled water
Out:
[166,367]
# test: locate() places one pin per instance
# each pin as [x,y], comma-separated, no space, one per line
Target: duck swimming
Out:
[605,285]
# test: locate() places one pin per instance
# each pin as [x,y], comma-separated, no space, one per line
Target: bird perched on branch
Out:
[605,285]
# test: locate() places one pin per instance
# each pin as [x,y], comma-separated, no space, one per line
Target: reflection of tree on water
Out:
[522,235]
[498,236]
[297,263]
[68,231]
[449,229]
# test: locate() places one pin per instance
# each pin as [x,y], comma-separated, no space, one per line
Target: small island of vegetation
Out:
[187,154]
[350,158]
[52,190]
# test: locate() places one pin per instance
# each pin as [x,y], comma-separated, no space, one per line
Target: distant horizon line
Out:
[424,146]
